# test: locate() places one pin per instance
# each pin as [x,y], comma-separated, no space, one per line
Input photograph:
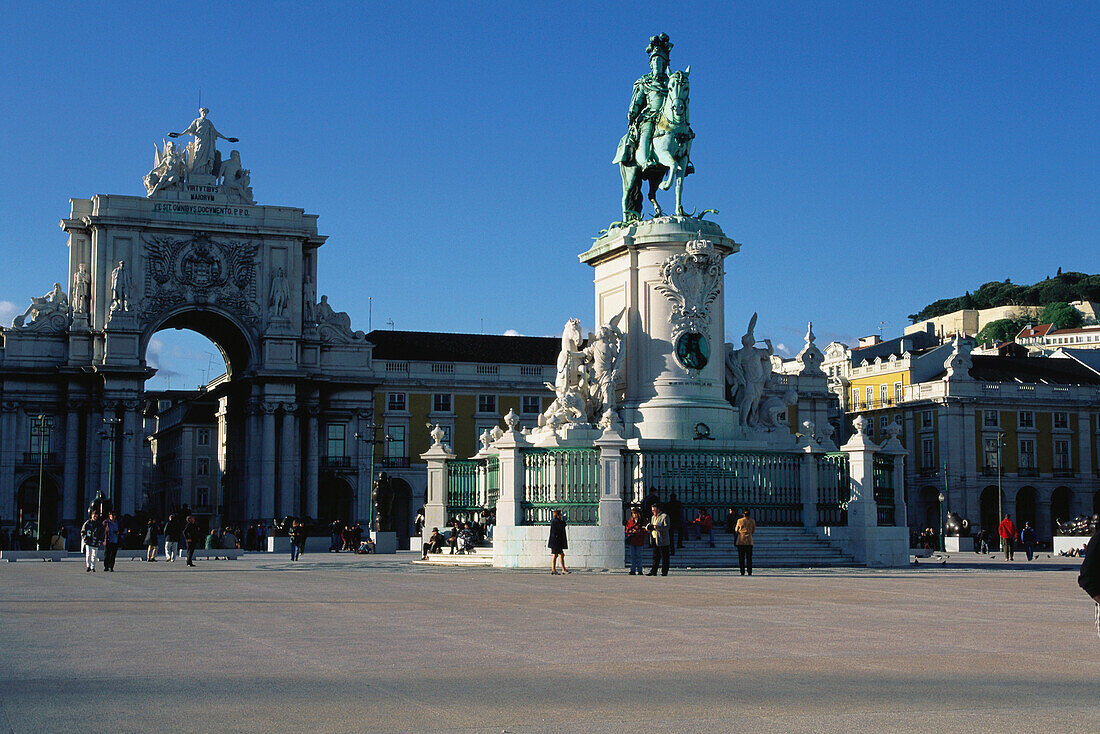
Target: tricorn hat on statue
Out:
[659,45]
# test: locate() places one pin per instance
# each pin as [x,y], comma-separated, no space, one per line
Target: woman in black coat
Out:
[557,543]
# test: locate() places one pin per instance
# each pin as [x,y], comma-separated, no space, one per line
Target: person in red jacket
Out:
[1007,531]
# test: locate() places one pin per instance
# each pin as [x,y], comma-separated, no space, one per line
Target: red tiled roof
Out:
[1040,330]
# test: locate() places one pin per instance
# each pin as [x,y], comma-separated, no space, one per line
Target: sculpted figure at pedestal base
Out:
[383,503]
[586,377]
[747,373]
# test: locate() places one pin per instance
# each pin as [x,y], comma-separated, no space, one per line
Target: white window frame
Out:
[1030,422]
[436,401]
[1027,453]
[202,437]
[1062,459]
[202,466]
[928,453]
[1060,416]
[926,419]
[483,396]
[397,402]
[524,407]
[996,419]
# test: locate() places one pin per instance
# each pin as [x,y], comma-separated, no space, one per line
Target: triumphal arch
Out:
[195,252]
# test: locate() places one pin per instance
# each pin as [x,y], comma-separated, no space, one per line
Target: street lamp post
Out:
[110,434]
[943,540]
[1000,470]
[40,428]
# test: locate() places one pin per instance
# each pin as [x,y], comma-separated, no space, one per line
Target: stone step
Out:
[481,556]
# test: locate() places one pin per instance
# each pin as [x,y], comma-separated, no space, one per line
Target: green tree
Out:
[1062,315]
[1002,330]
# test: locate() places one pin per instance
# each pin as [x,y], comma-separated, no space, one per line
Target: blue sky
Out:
[870,157]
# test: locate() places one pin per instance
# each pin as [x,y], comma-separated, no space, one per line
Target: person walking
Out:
[1030,539]
[192,533]
[557,543]
[297,540]
[1007,531]
[151,536]
[91,535]
[658,531]
[745,529]
[635,538]
[173,534]
[110,538]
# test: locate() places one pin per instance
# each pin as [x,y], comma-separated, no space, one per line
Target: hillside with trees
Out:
[1062,288]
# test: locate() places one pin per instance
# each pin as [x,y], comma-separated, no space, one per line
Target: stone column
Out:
[436,494]
[509,535]
[7,460]
[1042,515]
[108,465]
[313,464]
[219,492]
[267,462]
[93,456]
[130,474]
[288,462]
[253,468]
[70,512]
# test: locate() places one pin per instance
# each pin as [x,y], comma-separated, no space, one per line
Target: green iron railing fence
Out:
[565,479]
[766,484]
[883,473]
[834,489]
[462,499]
[492,481]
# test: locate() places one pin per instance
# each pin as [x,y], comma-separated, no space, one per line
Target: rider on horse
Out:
[645,106]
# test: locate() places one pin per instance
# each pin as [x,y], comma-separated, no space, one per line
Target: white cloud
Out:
[512,332]
[783,350]
[8,312]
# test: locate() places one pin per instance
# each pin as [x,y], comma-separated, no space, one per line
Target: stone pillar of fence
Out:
[435,504]
[509,502]
[862,510]
[808,478]
[611,446]
[894,448]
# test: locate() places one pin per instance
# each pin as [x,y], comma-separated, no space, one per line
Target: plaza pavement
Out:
[344,643]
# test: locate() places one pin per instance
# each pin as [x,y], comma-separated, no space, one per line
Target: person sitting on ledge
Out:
[435,543]
[366,545]
[465,539]
[704,523]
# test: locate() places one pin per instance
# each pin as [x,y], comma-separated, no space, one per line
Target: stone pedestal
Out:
[675,337]
[385,541]
[955,544]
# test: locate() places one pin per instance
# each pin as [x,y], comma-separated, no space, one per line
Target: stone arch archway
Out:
[1060,504]
[1027,500]
[929,513]
[26,511]
[334,500]
[989,509]
[233,339]
[402,522]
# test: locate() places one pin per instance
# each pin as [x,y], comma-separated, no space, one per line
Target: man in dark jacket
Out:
[173,534]
[1090,569]
[192,533]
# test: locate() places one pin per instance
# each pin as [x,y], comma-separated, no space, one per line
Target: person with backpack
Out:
[91,535]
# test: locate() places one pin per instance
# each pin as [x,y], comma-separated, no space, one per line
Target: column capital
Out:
[269,408]
[290,408]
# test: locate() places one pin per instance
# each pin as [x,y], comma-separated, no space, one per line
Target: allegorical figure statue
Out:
[749,369]
[52,304]
[605,352]
[201,151]
[81,284]
[168,169]
[120,288]
[280,294]
[658,138]
[383,503]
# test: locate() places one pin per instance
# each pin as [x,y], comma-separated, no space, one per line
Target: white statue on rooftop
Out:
[202,155]
[50,312]
[80,291]
[168,169]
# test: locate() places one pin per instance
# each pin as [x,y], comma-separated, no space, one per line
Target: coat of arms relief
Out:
[201,270]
